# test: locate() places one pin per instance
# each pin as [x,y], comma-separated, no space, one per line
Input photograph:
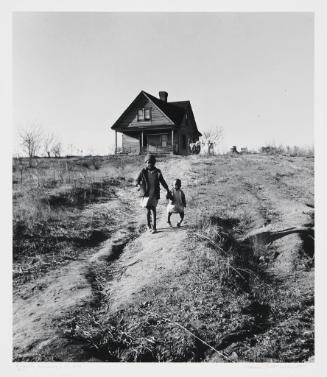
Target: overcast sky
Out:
[248,73]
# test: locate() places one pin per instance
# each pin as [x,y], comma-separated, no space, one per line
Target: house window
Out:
[140,115]
[164,139]
[143,114]
[147,114]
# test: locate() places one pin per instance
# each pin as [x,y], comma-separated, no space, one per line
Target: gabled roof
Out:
[171,109]
[181,104]
[175,111]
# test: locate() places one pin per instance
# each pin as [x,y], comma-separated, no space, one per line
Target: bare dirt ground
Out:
[40,301]
[152,273]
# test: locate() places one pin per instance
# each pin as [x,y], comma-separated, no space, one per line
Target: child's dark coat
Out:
[143,181]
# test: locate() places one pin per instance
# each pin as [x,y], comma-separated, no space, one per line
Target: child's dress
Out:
[176,205]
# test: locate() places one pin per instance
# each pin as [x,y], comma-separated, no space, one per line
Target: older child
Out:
[149,181]
[177,202]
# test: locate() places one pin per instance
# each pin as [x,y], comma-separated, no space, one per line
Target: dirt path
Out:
[152,256]
[145,261]
[47,299]
[148,258]
[284,207]
[42,301]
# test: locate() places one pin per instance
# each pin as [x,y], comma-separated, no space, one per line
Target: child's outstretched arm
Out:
[183,199]
[169,195]
[163,182]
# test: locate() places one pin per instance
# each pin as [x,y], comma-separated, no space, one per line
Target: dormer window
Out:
[143,115]
[147,114]
[140,115]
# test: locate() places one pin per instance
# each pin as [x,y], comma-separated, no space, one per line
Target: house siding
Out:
[157,117]
[193,126]
[186,129]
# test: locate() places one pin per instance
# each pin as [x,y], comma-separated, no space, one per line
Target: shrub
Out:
[294,151]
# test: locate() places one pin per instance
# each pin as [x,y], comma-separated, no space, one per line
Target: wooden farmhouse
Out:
[154,125]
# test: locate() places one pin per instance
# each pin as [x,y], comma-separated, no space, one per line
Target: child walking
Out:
[177,202]
[149,181]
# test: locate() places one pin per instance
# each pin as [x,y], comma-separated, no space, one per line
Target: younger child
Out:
[177,202]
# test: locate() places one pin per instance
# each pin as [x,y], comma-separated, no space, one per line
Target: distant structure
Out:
[234,149]
[151,124]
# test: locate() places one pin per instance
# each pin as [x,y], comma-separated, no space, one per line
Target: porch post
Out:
[172,139]
[141,141]
[115,142]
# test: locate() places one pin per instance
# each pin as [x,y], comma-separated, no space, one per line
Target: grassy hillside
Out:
[53,216]
[203,293]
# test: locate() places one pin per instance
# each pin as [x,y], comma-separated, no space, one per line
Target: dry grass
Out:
[222,302]
[183,321]
[49,226]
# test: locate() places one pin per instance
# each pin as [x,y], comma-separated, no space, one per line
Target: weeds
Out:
[269,302]
[294,151]
[224,304]
[223,301]
[168,330]
[49,226]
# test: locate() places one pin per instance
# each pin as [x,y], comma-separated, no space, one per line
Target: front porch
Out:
[162,141]
[157,150]
[148,149]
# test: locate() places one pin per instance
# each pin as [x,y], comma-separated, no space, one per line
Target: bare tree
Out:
[214,135]
[48,141]
[56,149]
[210,141]
[31,141]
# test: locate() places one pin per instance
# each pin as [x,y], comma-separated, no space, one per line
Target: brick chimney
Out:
[163,96]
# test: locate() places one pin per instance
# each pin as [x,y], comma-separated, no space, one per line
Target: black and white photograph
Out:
[163,196]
